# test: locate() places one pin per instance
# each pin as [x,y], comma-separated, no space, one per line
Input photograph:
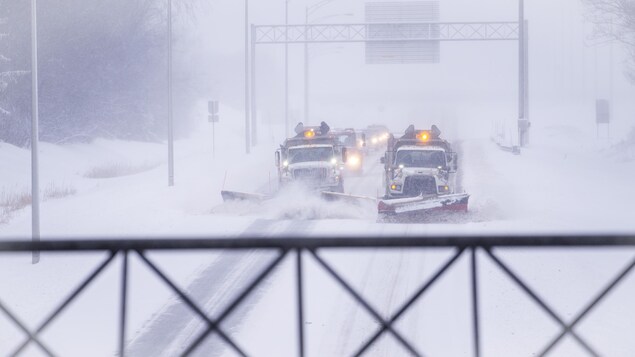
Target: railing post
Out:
[124,303]
[300,305]
[477,344]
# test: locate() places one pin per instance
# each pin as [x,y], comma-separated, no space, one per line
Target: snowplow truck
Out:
[420,174]
[313,157]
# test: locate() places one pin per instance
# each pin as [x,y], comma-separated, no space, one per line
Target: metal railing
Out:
[286,246]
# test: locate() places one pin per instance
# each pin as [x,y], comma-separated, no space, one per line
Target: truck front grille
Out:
[417,185]
[310,174]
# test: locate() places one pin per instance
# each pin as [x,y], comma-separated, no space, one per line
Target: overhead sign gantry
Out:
[398,32]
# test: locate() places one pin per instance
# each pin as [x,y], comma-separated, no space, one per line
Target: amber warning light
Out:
[423,135]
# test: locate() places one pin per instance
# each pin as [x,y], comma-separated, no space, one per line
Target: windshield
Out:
[347,140]
[297,155]
[420,158]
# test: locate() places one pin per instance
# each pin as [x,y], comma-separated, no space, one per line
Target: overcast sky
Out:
[475,79]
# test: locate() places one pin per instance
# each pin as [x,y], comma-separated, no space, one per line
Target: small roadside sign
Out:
[212,108]
[602,111]
[213,117]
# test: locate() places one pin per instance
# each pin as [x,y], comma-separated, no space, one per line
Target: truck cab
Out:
[355,144]
[313,158]
[419,163]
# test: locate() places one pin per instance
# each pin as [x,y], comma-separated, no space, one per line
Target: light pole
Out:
[306,67]
[247,104]
[286,69]
[170,112]
[35,172]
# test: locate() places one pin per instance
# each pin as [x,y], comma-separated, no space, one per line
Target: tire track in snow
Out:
[174,327]
[348,322]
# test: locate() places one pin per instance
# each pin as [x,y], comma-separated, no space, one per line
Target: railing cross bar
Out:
[540,301]
[263,274]
[414,298]
[66,302]
[623,273]
[385,324]
[26,331]
[210,323]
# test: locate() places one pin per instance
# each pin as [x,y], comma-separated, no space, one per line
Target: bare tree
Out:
[615,21]
[11,74]
[102,68]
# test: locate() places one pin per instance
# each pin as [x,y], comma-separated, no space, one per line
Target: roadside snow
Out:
[564,182]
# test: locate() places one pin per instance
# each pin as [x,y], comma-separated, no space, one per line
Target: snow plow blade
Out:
[243,196]
[453,202]
[347,197]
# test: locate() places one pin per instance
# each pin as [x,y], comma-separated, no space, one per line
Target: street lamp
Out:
[247,143]
[286,68]
[35,172]
[170,111]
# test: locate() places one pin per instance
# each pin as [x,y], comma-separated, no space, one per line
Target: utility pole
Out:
[521,60]
[523,123]
[306,67]
[170,113]
[247,104]
[286,68]
[308,11]
[35,172]
[254,111]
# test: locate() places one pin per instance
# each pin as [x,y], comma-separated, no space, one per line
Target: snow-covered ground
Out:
[564,182]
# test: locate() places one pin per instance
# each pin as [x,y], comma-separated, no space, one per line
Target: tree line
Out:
[102,69]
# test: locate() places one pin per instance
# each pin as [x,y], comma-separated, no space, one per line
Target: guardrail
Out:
[289,245]
[514,149]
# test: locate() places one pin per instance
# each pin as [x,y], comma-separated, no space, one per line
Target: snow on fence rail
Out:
[297,246]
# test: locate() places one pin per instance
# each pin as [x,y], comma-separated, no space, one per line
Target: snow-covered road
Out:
[538,191]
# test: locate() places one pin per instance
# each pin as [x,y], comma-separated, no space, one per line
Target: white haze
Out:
[565,181]
[475,83]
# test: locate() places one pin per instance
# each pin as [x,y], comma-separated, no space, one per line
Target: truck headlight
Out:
[354,160]
[395,187]
[443,189]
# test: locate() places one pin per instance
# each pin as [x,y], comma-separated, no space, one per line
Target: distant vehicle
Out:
[314,157]
[377,137]
[420,174]
[355,144]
